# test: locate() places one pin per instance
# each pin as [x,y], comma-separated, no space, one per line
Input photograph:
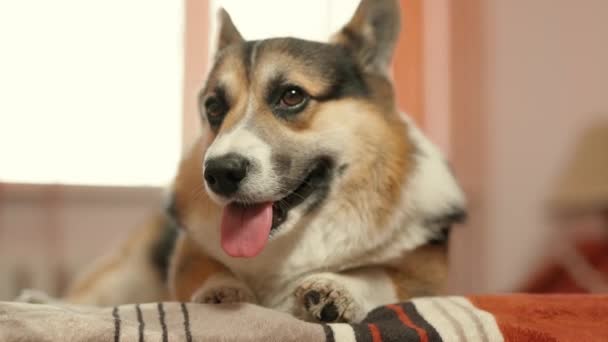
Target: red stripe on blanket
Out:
[408,322]
[375,332]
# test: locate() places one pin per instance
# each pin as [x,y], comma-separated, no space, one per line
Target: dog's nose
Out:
[224,174]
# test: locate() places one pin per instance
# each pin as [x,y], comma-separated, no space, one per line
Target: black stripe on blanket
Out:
[394,323]
[414,315]
[186,322]
[116,317]
[329,334]
[389,326]
[163,324]
[362,332]
[140,322]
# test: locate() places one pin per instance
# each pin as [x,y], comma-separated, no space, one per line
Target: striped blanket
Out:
[477,318]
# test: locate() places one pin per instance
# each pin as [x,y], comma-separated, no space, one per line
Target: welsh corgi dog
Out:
[308,191]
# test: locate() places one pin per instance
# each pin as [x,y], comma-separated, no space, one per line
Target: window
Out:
[314,19]
[90,91]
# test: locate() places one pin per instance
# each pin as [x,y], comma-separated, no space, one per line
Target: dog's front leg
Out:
[223,288]
[194,276]
[342,297]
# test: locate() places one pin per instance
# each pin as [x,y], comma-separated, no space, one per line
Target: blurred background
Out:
[98,101]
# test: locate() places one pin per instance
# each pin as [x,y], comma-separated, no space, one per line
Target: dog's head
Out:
[290,123]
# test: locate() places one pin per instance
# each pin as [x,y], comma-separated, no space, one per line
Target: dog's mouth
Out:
[314,181]
[246,228]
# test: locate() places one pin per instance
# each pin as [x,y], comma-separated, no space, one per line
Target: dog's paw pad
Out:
[223,295]
[311,298]
[329,313]
[327,301]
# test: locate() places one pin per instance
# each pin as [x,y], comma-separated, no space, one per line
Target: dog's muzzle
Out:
[225,174]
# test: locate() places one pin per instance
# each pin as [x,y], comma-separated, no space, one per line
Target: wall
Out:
[196,54]
[546,76]
[436,70]
[467,141]
[48,232]
[526,78]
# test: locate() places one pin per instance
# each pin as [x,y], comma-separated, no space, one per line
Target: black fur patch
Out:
[333,63]
[354,41]
[443,225]
[311,298]
[281,163]
[322,183]
[171,208]
[172,212]
[163,248]
[342,168]
[316,186]
[329,313]
[221,97]
[248,48]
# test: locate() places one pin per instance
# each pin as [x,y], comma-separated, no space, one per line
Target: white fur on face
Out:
[261,183]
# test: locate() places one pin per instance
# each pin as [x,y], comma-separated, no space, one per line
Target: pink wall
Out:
[49,232]
[436,52]
[546,78]
[196,52]
[526,77]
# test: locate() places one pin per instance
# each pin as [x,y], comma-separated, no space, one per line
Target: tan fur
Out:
[388,139]
[190,266]
[422,272]
[189,269]
[188,188]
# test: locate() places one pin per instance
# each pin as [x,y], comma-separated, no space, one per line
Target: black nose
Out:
[224,174]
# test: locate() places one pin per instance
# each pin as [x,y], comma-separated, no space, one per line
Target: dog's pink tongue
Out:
[245,229]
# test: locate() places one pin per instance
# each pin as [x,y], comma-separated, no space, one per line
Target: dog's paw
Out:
[325,300]
[223,295]
[223,288]
[35,297]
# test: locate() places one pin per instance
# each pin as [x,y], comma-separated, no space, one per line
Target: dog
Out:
[308,191]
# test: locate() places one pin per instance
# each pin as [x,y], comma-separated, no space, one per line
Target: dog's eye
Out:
[215,109]
[293,97]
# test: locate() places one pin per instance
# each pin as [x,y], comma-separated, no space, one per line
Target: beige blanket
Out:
[512,317]
[151,322]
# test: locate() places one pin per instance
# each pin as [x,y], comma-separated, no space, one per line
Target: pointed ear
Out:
[228,34]
[372,34]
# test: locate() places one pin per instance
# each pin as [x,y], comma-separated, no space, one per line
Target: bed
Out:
[475,318]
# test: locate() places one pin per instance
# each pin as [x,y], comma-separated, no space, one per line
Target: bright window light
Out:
[311,19]
[90,91]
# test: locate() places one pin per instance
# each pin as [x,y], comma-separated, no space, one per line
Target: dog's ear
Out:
[228,34]
[372,34]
